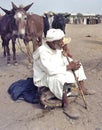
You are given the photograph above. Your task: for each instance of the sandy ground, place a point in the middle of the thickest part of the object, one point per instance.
(86, 46)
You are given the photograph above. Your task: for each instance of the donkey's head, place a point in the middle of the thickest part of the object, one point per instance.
(20, 16)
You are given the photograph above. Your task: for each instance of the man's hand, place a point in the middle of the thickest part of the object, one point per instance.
(66, 51)
(73, 65)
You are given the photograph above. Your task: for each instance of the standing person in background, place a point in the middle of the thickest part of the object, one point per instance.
(46, 23)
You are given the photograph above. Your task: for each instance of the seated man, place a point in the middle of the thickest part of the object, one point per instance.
(51, 69)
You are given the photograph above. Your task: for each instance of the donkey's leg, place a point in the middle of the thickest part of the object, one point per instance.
(37, 42)
(14, 51)
(29, 55)
(4, 51)
(4, 47)
(8, 52)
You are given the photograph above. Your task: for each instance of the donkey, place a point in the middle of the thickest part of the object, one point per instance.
(29, 27)
(52, 20)
(7, 31)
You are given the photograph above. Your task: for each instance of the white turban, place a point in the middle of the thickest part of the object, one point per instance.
(54, 35)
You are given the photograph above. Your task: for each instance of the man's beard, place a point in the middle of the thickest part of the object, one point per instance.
(57, 47)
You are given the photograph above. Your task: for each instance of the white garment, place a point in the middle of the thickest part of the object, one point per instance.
(50, 70)
(50, 20)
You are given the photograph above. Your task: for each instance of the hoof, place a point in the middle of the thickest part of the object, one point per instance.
(16, 63)
(8, 64)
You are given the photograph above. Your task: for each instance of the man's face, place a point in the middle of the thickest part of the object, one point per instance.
(58, 44)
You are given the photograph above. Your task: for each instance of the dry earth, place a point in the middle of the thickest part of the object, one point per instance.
(86, 46)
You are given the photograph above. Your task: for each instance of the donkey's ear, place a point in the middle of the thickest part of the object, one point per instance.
(5, 10)
(27, 7)
(14, 6)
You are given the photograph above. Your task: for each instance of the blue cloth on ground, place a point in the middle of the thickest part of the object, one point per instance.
(24, 89)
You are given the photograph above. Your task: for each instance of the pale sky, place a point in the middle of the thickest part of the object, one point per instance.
(72, 6)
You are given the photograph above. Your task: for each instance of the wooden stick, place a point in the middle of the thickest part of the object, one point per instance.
(77, 85)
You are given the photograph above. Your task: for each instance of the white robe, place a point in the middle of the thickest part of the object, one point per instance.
(50, 70)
